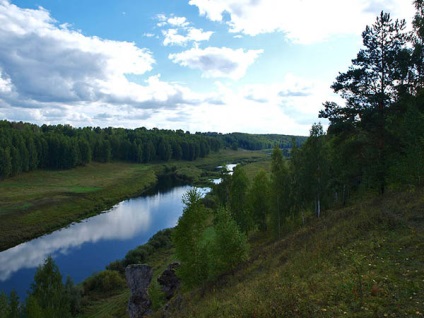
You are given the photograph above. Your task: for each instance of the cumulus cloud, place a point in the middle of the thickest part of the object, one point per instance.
(53, 73)
(217, 62)
(45, 62)
(303, 21)
(179, 32)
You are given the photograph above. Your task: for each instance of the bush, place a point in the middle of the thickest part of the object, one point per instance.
(139, 255)
(161, 239)
(105, 282)
(117, 266)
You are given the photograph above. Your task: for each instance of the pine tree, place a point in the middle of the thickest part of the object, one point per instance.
(374, 82)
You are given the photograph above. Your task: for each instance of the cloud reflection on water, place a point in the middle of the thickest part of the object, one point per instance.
(122, 222)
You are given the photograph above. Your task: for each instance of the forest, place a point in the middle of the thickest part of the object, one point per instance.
(374, 144)
(26, 147)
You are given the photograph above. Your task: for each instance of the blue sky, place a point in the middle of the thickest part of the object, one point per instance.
(256, 66)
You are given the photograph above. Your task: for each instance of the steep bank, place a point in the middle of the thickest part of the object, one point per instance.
(364, 260)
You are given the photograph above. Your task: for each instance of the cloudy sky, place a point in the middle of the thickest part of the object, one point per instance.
(256, 66)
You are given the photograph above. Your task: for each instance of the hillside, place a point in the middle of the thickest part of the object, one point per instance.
(364, 260)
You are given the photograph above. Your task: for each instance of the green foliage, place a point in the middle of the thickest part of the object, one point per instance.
(187, 238)
(48, 296)
(257, 141)
(280, 191)
(259, 200)
(5, 163)
(205, 251)
(364, 260)
(162, 239)
(25, 147)
(238, 200)
(222, 189)
(4, 304)
(73, 294)
(32, 308)
(107, 281)
(9, 306)
(229, 245)
(315, 164)
(48, 291)
(14, 310)
(407, 167)
(371, 87)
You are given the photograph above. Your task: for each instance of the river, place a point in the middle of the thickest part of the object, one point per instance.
(84, 248)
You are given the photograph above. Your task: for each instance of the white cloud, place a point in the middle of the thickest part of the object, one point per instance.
(180, 32)
(217, 62)
(178, 21)
(303, 21)
(46, 62)
(290, 106)
(5, 83)
(50, 73)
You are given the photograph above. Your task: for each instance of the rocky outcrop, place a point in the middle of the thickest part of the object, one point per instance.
(138, 278)
(169, 280)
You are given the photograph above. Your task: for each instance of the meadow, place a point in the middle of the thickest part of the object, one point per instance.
(41, 201)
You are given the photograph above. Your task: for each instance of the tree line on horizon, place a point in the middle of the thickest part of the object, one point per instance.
(26, 147)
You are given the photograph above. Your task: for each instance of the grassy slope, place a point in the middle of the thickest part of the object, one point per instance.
(38, 202)
(365, 260)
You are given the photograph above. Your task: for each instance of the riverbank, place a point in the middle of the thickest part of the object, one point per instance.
(40, 202)
(362, 260)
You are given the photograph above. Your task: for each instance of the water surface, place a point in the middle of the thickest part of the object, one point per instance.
(87, 247)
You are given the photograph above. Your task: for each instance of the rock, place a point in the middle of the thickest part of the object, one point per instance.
(169, 280)
(138, 278)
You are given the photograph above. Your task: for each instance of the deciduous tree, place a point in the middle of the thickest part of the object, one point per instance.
(188, 242)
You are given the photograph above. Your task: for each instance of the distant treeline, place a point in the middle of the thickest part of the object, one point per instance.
(25, 147)
(259, 141)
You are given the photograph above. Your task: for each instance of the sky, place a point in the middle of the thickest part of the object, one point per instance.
(253, 66)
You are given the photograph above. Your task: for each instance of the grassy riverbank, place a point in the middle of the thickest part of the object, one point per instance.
(39, 202)
(364, 260)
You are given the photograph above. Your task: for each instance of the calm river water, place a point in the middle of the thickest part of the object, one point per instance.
(87, 247)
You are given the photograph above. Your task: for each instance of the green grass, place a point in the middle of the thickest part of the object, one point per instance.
(365, 260)
(253, 168)
(35, 203)
(38, 202)
(111, 307)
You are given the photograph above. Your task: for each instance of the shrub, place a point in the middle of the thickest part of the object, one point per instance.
(106, 282)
